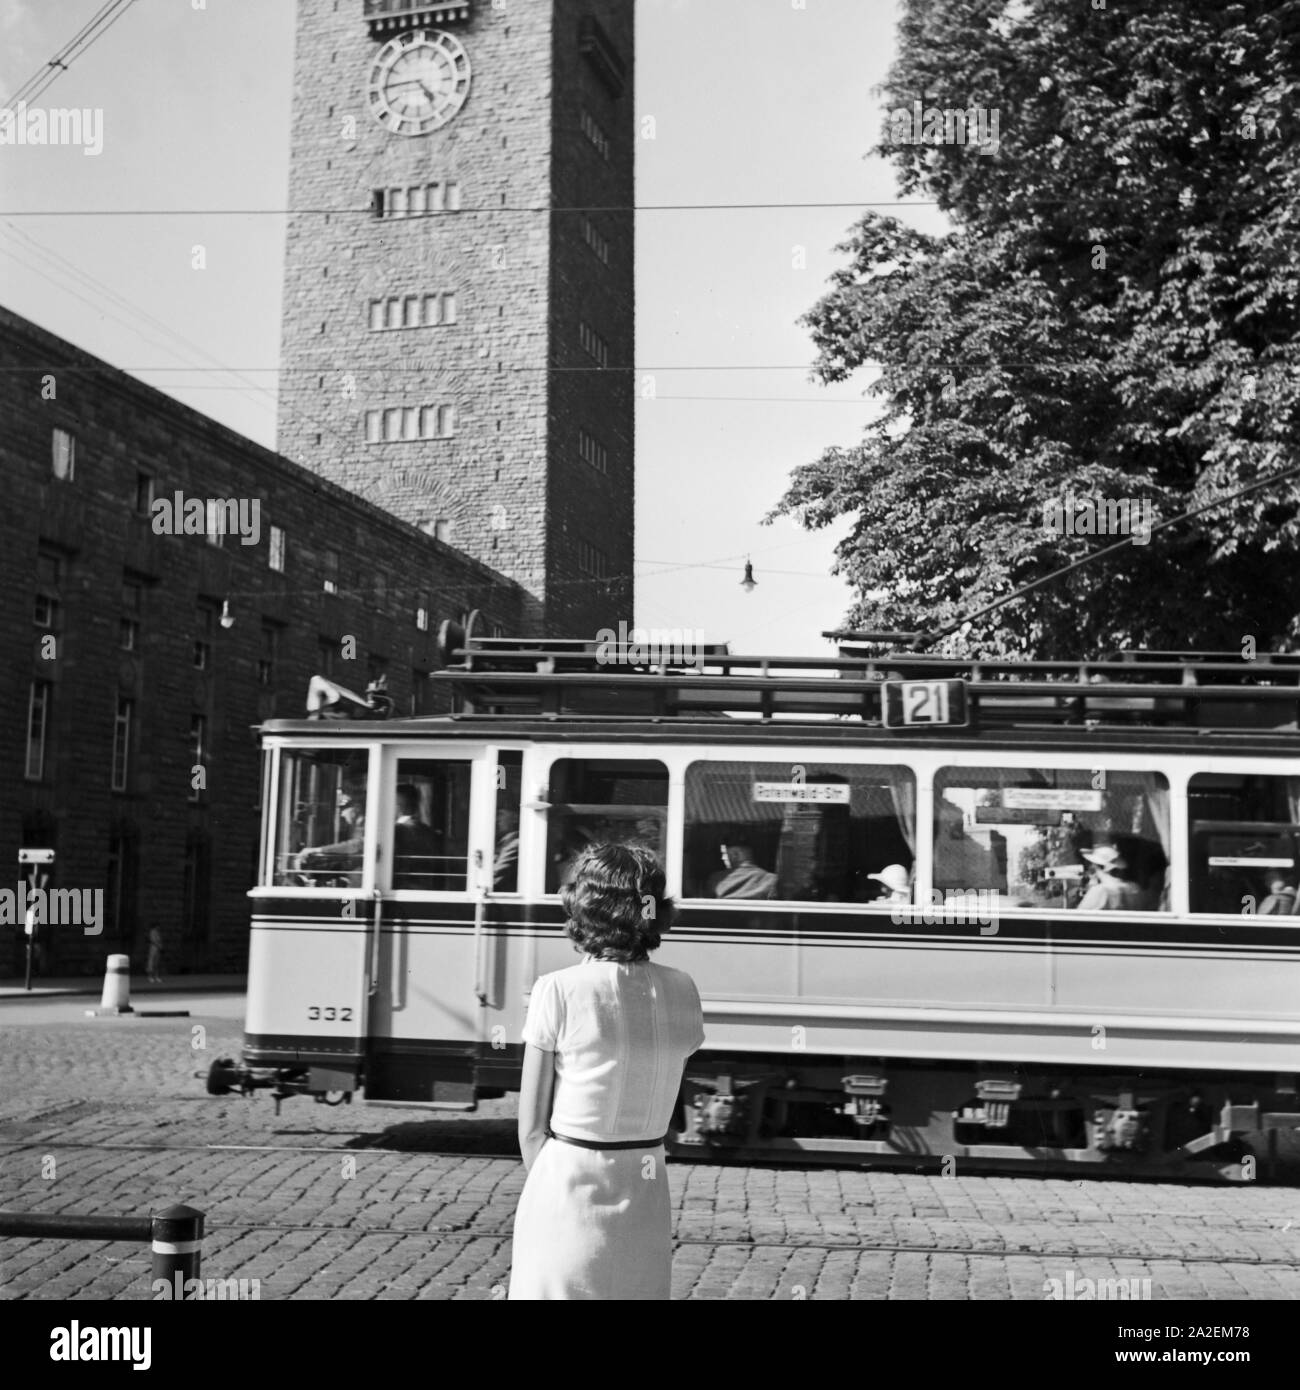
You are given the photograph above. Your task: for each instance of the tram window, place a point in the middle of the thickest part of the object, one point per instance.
(798, 831)
(431, 825)
(320, 835)
(505, 854)
(1048, 838)
(603, 801)
(1245, 843)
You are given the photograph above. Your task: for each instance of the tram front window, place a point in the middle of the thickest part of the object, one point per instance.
(431, 826)
(799, 832)
(320, 832)
(1091, 839)
(1245, 843)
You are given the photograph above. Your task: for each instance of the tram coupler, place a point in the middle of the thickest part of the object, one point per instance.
(226, 1075)
(865, 1106)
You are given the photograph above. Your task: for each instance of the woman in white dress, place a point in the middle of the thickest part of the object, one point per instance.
(605, 1045)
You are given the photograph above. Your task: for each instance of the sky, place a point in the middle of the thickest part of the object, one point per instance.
(759, 102)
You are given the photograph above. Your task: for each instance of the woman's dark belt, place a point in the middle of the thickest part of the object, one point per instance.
(619, 1144)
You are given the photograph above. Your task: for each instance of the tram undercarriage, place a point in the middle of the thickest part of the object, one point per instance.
(965, 1117)
(877, 1113)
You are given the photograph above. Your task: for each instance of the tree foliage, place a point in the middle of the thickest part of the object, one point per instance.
(1113, 315)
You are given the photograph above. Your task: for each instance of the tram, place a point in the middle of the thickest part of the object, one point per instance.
(996, 912)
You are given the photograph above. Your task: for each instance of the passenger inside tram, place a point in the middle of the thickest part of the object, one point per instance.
(1281, 899)
(415, 843)
(505, 855)
(740, 876)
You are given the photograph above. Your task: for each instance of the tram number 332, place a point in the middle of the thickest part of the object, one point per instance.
(329, 1013)
(909, 703)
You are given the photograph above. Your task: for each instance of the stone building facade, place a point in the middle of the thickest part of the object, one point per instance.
(458, 322)
(120, 678)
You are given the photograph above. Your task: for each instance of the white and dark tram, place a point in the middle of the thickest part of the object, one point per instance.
(980, 1008)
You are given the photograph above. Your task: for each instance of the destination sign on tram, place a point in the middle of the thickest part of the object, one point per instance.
(815, 793)
(916, 704)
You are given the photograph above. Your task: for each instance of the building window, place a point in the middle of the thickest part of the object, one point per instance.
(128, 628)
(276, 554)
(38, 722)
(266, 662)
(592, 451)
(422, 612)
(593, 344)
(594, 132)
(122, 742)
(406, 424)
(204, 622)
(419, 691)
(597, 243)
(416, 200)
(215, 527)
(381, 588)
(198, 749)
(196, 890)
(64, 460)
(412, 311)
(325, 650)
(49, 578)
(331, 568)
(144, 488)
(120, 886)
(592, 560)
(376, 667)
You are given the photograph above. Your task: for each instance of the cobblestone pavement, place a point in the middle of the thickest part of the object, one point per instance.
(375, 1202)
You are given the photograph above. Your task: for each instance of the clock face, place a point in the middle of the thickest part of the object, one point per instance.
(419, 81)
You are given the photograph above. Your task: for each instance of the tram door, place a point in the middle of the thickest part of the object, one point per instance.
(429, 951)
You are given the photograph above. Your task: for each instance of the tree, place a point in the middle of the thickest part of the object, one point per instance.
(1114, 315)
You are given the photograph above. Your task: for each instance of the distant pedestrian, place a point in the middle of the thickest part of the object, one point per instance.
(153, 961)
(607, 1041)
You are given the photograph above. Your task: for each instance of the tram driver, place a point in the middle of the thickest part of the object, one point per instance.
(344, 856)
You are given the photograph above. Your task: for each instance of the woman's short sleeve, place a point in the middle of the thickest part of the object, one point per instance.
(542, 1026)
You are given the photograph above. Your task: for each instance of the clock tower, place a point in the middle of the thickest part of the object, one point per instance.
(458, 326)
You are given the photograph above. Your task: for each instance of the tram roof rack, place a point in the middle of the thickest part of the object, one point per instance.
(576, 678)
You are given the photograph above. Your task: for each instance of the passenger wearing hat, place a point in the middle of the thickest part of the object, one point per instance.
(1109, 892)
(897, 881)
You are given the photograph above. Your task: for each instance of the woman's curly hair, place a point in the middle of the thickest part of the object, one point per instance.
(616, 903)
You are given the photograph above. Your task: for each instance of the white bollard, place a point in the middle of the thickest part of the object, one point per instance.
(117, 986)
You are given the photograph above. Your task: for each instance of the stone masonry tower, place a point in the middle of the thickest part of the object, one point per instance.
(459, 301)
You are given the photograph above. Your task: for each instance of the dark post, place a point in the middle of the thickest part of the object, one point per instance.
(177, 1238)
